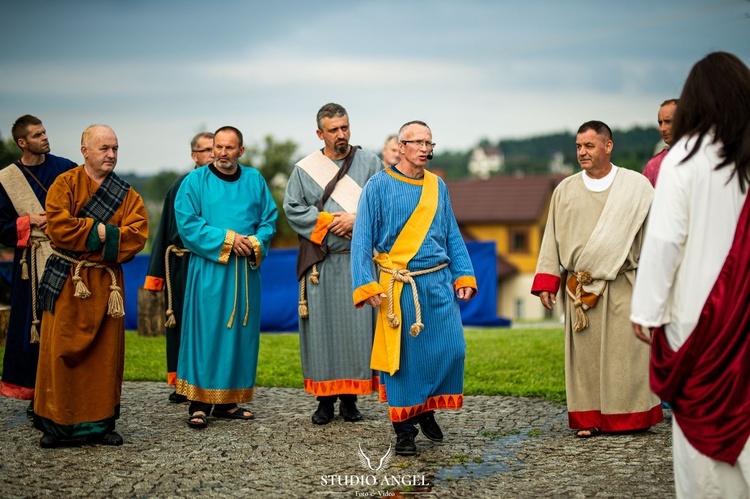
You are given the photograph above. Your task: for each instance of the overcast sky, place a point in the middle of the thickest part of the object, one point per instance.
(159, 71)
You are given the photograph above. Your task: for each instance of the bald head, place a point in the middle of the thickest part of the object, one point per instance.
(99, 148)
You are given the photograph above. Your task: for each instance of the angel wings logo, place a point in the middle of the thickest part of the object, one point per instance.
(367, 462)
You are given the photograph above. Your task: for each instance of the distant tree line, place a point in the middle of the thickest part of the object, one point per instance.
(531, 156)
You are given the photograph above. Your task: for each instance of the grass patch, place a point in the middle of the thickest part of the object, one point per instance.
(512, 362)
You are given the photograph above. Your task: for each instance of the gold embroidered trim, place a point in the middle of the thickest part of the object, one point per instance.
(213, 396)
(226, 249)
(258, 250)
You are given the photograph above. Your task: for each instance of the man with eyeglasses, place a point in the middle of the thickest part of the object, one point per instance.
(405, 215)
(320, 204)
(167, 251)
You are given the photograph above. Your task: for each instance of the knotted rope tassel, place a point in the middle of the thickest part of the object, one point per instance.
(406, 276)
(582, 322)
(171, 321)
(315, 275)
(302, 308)
(24, 265)
(115, 304)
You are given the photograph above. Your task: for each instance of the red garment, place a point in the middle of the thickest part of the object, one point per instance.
(707, 381)
(651, 171)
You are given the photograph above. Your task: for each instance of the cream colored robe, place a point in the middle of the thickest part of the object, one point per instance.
(606, 366)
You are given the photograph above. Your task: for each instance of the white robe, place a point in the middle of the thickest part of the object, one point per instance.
(691, 228)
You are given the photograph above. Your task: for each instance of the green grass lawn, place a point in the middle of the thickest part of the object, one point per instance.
(514, 362)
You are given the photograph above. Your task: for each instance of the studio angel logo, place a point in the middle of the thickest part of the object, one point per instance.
(367, 463)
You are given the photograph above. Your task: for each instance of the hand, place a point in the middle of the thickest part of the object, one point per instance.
(342, 224)
(375, 301)
(101, 230)
(640, 333)
(464, 294)
(242, 246)
(548, 299)
(39, 220)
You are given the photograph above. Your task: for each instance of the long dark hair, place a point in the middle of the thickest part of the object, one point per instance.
(716, 98)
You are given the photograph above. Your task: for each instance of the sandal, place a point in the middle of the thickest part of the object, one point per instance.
(592, 432)
(235, 413)
(201, 422)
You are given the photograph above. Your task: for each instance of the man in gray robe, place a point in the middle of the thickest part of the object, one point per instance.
(320, 204)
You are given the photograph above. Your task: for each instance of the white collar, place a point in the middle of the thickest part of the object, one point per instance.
(600, 184)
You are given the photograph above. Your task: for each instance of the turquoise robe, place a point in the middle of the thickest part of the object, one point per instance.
(221, 317)
(431, 369)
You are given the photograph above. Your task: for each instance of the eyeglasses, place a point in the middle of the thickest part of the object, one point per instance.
(420, 143)
(207, 149)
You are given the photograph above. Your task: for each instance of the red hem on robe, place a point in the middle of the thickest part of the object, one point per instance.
(172, 378)
(630, 421)
(16, 391)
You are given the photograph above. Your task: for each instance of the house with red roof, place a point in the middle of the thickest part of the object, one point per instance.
(512, 211)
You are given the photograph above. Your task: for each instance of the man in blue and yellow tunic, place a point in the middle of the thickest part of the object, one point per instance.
(405, 215)
(226, 217)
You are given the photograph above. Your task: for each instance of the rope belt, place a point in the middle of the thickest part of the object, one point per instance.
(314, 279)
(583, 278)
(582, 322)
(115, 305)
(171, 321)
(407, 276)
(245, 265)
(34, 244)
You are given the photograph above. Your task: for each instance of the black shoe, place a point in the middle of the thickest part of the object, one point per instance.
(111, 438)
(49, 441)
(30, 411)
(324, 413)
(405, 445)
(176, 398)
(348, 410)
(430, 428)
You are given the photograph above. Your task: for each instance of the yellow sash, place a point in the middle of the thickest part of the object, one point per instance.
(386, 347)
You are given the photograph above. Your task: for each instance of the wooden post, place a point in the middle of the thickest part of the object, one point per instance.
(151, 316)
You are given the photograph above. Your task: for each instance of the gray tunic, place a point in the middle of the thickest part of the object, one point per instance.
(335, 338)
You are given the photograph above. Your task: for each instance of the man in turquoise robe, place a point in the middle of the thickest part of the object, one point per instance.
(226, 217)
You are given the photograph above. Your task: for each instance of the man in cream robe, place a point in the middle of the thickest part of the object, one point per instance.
(591, 245)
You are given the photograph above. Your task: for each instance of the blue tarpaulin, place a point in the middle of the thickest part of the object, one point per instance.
(280, 293)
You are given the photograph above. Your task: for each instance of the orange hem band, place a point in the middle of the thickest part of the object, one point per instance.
(172, 378)
(467, 281)
(153, 283)
(398, 414)
(341, 387)
(362, 293)
(321, 227)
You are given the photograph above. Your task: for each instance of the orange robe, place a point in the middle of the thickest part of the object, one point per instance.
(81, 357)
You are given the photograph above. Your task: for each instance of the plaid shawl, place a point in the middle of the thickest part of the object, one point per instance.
(102, 205)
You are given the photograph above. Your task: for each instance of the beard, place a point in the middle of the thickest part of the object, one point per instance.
(341, 148)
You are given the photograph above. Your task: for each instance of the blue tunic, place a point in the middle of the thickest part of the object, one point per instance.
(218, 347)
(432, 364)
(19, 365)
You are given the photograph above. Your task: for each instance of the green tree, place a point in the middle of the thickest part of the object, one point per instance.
(274, 160)
(9, 152)
(158, 185)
